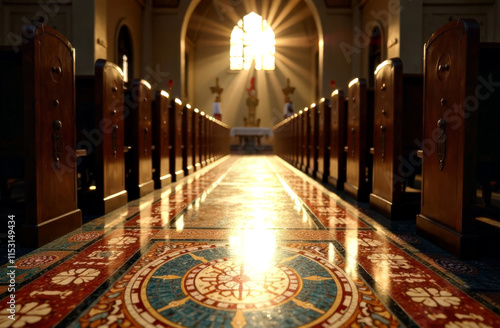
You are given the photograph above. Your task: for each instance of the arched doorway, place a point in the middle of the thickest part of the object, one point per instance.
(375, 54)
(125, 56)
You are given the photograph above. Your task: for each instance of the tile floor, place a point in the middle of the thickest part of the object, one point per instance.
(248, 241)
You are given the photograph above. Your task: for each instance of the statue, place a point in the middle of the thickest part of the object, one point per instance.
(216, 108)
(288, 108)
(252, 103)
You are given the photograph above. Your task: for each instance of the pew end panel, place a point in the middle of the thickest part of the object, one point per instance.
(324, 127)
(196, 137)
(100, 132)
(138, 161)
(359, 140)
(175, 120)
(338, 128)
(306, 139)
(397, 124)
(203, 139)
(49, 137)
(448, 206)
(187, 141)
(312, 166)
(161, 136)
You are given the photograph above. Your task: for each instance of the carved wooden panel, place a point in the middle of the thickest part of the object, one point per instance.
(176, 109)
(324, 139)
(451, 72)
(161, 140)
(338, 136)
(306, 139)
(50, 138)
(196, 132)
(110, 114)
(388, 107)
(313, 140)
(359, 140)
(139, 136)
(187, 140)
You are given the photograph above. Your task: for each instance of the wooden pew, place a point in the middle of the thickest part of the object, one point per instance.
(196, 137)
(203, 139)
(312, 163)
(100, 131)
(338, 128)
(359, 140)
(176, 169)
(306, 139)
(161, 139)
(289, 137)
(187, 140)
(323, 148)
(397, 124)
(460, 135)
(138, 136)
(38, 135)
(296, 146)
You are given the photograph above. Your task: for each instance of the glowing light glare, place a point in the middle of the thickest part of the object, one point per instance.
(352, 252)
(188, 106)
(178, 101)
(93, 187)
(322, 100)
(313, 105)
(196, 110)
(252, 40)
(336, 92)
(331, 253)
(300, 112)
(146, 83)
(258, 247)
(164, 93)
(353, 82)
(202, 113)
(381, 65)
(179, 223)
(125, 68)
(306, 109)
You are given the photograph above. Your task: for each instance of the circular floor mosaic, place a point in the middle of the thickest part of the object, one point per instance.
(201, 285)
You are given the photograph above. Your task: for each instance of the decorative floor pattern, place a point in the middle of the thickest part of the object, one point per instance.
(247, 242)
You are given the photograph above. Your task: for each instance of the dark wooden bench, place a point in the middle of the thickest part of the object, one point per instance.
(305, 138)
(176, 110)
(203, 139)
(161, 140)
(338, 127)
(397, 125)
(323, 146)
(296, 146)
(359, 140)
(100, 131)
(196, 137)
(187, 139)
(38, 136)
(461, 142)
(312, 163)
(138, 136)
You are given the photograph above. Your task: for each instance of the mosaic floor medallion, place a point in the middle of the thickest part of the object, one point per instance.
(197, 285)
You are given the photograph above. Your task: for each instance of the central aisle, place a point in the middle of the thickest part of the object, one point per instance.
(247, 242)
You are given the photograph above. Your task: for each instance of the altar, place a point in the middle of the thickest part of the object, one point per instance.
(250, 137)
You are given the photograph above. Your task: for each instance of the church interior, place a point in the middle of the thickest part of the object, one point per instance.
(250, 163)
